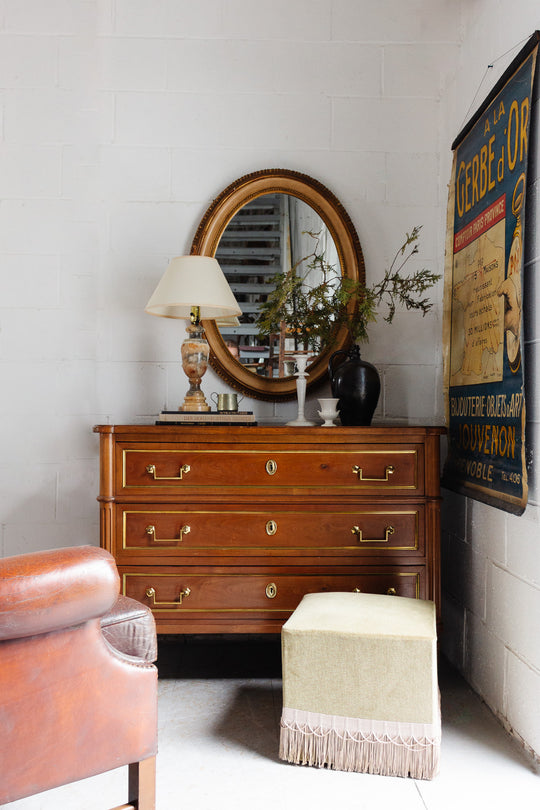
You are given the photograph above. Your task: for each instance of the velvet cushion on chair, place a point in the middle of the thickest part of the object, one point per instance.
(72, 703)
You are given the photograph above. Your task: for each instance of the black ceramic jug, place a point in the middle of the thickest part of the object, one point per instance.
(356, 384)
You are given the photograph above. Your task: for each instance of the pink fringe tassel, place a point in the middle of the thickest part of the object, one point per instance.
(399, 756)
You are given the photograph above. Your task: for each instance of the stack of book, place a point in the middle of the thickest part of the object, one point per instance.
(206, 418)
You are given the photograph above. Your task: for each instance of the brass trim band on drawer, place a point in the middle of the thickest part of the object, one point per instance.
(389, 530)
(151, 530)
(375, 483)
(163, 607)
(271, 529)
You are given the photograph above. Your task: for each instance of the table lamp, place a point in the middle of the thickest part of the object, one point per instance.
(194, 288)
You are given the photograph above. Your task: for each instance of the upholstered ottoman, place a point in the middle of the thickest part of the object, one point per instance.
(360, 690)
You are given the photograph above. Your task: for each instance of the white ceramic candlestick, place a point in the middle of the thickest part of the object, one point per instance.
(301, 361)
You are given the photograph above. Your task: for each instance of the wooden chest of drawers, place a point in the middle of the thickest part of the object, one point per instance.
(224, 529)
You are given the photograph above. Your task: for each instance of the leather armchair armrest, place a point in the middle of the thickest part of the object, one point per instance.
(50, 590)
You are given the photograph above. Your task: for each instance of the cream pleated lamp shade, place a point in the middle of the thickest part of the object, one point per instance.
(193, 281)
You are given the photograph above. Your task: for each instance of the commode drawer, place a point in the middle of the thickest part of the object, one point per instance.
(392, 469)
(162, 531)
(199, 591)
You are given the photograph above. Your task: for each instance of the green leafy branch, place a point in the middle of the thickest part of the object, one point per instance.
(312, 314)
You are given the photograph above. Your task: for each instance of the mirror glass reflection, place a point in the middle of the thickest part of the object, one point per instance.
(268, 235)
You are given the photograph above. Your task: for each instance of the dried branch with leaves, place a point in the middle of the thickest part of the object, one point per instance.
(313, 313)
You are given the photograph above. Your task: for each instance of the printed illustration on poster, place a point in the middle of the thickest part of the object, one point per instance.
(484, 385)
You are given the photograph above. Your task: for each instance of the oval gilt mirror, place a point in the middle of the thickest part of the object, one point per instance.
(261, 225)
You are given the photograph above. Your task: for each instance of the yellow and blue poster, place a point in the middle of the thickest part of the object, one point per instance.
(484, 379)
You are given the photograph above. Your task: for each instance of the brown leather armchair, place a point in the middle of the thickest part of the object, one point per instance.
(78, 690)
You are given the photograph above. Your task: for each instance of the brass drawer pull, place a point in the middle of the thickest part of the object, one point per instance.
(271, 590)
(151, 594)
(151, 530)
(391, 592)
(271, 528)
(271, 466)
(184, 469)
(389, 469)
(357, 590)
(361, 539)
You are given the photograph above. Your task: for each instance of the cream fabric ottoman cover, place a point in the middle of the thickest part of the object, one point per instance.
(360, 689)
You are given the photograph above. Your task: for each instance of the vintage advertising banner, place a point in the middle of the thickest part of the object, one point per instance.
(483, 295)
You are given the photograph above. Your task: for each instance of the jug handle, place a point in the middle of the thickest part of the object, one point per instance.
(215, 401)
(331, 361)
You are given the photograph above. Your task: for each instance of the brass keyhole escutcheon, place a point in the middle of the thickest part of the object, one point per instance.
(271, 528)
(271, 466)
(271, 590)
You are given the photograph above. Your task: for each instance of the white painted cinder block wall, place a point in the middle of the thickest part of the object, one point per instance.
(491, 560)
(120, 121)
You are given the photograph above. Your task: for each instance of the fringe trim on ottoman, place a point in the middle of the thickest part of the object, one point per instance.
(366, 746)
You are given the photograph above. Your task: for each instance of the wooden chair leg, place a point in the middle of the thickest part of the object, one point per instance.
(142, 784)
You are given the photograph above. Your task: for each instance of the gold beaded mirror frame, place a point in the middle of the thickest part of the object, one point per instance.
(237, 230)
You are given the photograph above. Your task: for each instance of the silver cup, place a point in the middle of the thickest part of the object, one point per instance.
(227, 403)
